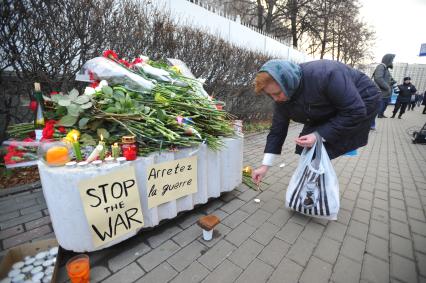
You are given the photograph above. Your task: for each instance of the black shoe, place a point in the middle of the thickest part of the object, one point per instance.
(393, 116)
(383, 116)
(399, 117)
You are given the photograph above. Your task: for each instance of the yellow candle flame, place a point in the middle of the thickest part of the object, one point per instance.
(115, 144)
(102, 137)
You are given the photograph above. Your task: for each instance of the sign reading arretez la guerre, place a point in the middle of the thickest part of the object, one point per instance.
(112, 205)
(171, 180)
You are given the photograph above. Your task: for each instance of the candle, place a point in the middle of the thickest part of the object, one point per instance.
(115, 150)
(129, 147)
(71, 164)
(95, 153)
(97, 163)
(102, 152)
(109, 159)
(57, 155)
(76, 147)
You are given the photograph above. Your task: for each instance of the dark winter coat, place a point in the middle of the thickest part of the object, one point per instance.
(424, 98)
(405, 92)
(382, 76)
(331, 98)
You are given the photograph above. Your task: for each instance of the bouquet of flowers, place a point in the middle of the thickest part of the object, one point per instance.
(20, 153)
(147, 99)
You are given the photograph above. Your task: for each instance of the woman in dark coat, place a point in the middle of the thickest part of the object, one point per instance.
(328, 97)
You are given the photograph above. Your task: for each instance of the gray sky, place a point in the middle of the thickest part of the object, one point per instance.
(400, 27)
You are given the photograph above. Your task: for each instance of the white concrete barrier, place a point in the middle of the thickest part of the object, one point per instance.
(218, 172)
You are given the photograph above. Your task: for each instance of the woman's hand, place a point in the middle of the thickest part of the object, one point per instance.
(258, 174)
(306, 141)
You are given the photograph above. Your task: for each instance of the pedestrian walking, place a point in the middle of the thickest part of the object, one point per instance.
(424, 102)
(412, 102)
(419, 99)
(406, 90)
(384, 81)
(331, 99)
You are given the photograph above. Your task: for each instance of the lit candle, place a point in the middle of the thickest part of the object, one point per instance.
(95, 153)
(102, 153)
(76, 147)
(115, 150)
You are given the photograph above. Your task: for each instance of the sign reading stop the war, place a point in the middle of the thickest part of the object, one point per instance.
(112, 205)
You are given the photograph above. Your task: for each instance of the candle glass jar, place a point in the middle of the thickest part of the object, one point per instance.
(55, 153)
(129, 147)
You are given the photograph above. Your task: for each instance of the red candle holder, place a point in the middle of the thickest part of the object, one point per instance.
(129, 147)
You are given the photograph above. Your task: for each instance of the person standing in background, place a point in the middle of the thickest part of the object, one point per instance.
(384, 81)
(406, 90)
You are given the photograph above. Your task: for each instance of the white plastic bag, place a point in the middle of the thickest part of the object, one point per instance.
(314, 189)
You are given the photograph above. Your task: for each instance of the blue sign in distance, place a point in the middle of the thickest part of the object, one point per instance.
(423, 49)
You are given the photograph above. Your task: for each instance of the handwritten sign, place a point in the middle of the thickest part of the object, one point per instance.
(112, 205)
(171, 180)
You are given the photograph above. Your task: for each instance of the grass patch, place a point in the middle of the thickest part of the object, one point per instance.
(256, 126)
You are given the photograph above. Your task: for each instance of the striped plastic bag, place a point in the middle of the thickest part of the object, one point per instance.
(314, 189)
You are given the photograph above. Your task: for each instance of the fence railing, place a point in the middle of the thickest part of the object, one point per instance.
(230, 29)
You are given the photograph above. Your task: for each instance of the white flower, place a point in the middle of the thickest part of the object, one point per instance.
(201, 80)
(101, 84)
(144, 58)
(89, 91)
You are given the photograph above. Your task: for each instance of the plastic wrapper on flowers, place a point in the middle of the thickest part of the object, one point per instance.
(101, 68)
(20, 153)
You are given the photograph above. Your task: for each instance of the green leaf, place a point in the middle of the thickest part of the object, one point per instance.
(73, 94)
(111, 109)
(56, 98)
(161, 115)
(86, 105)
(74, 110)
(46, 98)
(82, 124)
(64, 101)
(95, 124)
(68, 121)
(86, 140)
(82, 99)
(118, 94)
(103, 132)
(107, 90)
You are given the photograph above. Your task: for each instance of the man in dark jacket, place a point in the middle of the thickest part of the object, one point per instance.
(384, 81)
(404, 97)
(328, 97)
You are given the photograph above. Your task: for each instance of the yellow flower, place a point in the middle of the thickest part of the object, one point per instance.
(70, 135)
(247, 170)
(176, 69)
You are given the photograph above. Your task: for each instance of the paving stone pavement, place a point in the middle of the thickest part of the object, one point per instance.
(380, 234)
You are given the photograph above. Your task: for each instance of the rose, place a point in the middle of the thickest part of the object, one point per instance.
(110, 54)
(62, 130)
(33, 105)
(125, 63)
(70, 135)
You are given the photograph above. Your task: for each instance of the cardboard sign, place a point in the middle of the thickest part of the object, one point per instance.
(112, 205)
(171, 180)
